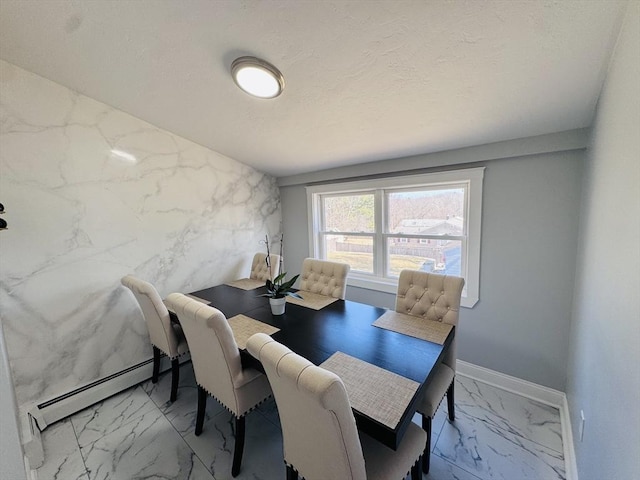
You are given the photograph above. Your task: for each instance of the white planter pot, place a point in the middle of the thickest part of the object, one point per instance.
(277, 305)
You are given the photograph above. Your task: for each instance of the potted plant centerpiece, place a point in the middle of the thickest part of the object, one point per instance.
(278, 290)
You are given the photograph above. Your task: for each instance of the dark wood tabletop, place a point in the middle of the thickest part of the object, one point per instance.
(343, 326)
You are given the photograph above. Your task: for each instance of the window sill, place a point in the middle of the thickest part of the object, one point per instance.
(391, 286)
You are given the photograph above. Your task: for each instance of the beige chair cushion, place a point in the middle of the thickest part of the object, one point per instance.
(442, 378)
(260, 270)
(164, 335)
(324, 278)
(319, 431)
(216, 358)
(437, 298)
(433, 297)
(383, 463)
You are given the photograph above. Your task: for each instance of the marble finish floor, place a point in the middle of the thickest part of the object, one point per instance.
(139, 434)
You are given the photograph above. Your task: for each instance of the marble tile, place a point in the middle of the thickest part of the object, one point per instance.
(479, 447)
(262, 459)
(513, 413)
(440, 469)
(182, 412)
(109, 415)
(127, 437)
(269, 409)
(150, 448)
(437, 422)
(160, 392)
(62, 458)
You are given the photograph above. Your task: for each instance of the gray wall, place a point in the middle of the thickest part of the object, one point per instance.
(529, 233)
(603, 373)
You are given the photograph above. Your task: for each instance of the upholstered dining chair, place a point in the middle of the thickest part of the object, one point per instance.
(437, 298)
(165, 336)
(217, 367)
(320, 437)
(260, 269)
(324, 277)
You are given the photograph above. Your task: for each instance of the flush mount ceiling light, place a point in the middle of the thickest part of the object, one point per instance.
(257, 77)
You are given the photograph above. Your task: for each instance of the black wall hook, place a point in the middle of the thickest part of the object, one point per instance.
(3, 222)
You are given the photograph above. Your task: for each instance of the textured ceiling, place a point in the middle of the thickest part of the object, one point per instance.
(364, 80)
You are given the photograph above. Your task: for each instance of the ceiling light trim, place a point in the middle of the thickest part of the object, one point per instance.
(258, 67)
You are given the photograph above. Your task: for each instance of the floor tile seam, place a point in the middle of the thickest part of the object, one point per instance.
(165, 406)
(491, 412)
(511, 391)
(459, 466)
(493, 425)
(84, 462)
(193, 436)
(188, 447)
(188, 432)
(121, 425)
(160, 376)
(433, 443)
(182, 437)
(512, 394)
(132, 389)
(157, 383)
(266, 417)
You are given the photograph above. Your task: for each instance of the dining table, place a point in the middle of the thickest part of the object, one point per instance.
(345, 328)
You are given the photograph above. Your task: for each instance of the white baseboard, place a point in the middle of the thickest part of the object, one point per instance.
(32, 473)
(31, 440)
(570, 465)
(540, 393)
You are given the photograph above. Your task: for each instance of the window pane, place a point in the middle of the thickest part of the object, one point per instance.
(437, 256)
(356, 251)
(426, 212)
(349, 213)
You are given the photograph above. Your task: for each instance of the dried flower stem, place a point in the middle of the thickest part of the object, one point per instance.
(281, 256)
(268, 258)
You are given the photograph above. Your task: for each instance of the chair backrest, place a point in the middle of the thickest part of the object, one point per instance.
(214, 352)
(324, 277)
(155, 313)
(318, 428)
(431, 296)
(260, 269)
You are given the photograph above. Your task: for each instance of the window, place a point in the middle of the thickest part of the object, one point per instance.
(379, 227)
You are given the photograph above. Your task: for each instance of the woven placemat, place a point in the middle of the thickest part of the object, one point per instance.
(378, 393)
(243, 327)
(428, 330)
(246, 283)
(311, 300)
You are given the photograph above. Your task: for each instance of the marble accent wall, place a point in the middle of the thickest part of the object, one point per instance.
(92, 194)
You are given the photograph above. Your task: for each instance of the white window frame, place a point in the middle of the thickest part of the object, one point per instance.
(471, 177)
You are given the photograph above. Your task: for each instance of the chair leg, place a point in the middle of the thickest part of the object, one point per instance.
(156, 364)
(291, 473)
(450, 402)
(175, 378)
(416, 470)
(202, 405)
(239, 447)
(426, 426)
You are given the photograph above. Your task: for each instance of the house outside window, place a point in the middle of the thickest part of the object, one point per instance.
(379, 227)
